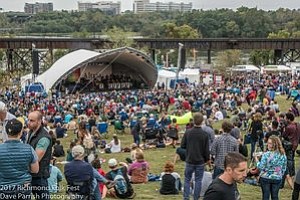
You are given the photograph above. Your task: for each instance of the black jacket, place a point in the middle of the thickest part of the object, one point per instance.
(196, 143)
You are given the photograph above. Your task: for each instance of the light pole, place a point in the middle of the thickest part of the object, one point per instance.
(178, 60)
(167, 57)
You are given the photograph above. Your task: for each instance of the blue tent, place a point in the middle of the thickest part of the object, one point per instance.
(35, 87)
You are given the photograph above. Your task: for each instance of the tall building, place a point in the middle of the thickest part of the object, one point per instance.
(140, 6)
(106, 6)
(33, 8)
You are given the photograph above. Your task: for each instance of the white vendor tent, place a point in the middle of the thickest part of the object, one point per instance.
(244, 68)
(26, 80)
(275, 68)
(193, 75)
(165, 76)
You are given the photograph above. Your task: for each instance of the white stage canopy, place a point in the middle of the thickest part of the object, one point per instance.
(123, 60)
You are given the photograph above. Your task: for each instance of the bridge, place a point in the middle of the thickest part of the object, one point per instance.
(53, 43)
(19, 48)
(284, 49)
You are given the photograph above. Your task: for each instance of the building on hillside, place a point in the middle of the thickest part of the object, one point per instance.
(33, 8)
(109, 7)
(140, 6)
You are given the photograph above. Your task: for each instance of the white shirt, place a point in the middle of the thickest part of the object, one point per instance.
(219, 115)
(3, 134)
(115, 148)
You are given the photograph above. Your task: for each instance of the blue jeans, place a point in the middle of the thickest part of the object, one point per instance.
(189, 170)
(97, 194)
(136, 139)
(217, 171)
(269, 187)
(40, 188)
(178, 184)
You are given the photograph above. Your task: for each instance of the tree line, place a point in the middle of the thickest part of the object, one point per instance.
(243, 22)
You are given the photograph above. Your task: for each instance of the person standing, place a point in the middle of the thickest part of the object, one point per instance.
(222, 145)
(272, 166)
(18, 160)
(296, 190)
(256, 132)
(4, 117)
(196, 143)
(40, 140)
(291, 136)
(224, 187)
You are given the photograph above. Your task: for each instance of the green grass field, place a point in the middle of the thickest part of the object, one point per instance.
(157, 158)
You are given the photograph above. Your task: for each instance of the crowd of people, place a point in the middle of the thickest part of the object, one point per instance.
(33, 125)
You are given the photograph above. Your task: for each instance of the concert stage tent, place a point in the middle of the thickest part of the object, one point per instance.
(91, 64)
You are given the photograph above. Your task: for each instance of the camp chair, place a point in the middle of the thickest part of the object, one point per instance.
(102, 128)
(119, 128)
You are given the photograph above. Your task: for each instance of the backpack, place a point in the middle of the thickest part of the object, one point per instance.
(121, 185)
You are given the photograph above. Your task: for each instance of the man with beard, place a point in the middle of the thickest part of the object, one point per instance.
(41, 142)
(224, 187)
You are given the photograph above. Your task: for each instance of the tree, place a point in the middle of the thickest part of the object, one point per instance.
(280, 34)
(260, 58)
(119, 37)
(170, 30)
(227, 59)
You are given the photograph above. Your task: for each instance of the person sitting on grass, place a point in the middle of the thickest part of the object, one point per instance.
(55, 176)
(139, 169)
(134, 150)
(58, 149)
(123, 188)
(96, 163)
(170, 180)
(114, 146)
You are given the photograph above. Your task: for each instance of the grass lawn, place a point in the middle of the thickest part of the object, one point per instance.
(157, 158)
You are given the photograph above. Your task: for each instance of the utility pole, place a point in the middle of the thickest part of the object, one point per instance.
(178, 60)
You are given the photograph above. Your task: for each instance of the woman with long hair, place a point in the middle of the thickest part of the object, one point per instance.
(256, 132)
(115, 145)
(272, 167)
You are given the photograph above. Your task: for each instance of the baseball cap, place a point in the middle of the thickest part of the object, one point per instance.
(112, 162)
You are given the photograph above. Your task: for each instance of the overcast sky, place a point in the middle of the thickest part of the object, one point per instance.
(18, 5)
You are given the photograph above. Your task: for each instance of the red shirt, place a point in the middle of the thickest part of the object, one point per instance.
(101, 185)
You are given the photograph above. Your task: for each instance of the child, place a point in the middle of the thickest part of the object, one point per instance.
(170, 180)
(173, 132)
(96, 163)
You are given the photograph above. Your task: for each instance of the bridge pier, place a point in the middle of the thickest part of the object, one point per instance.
(208, 56)
(152, 51)
(278, 56)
